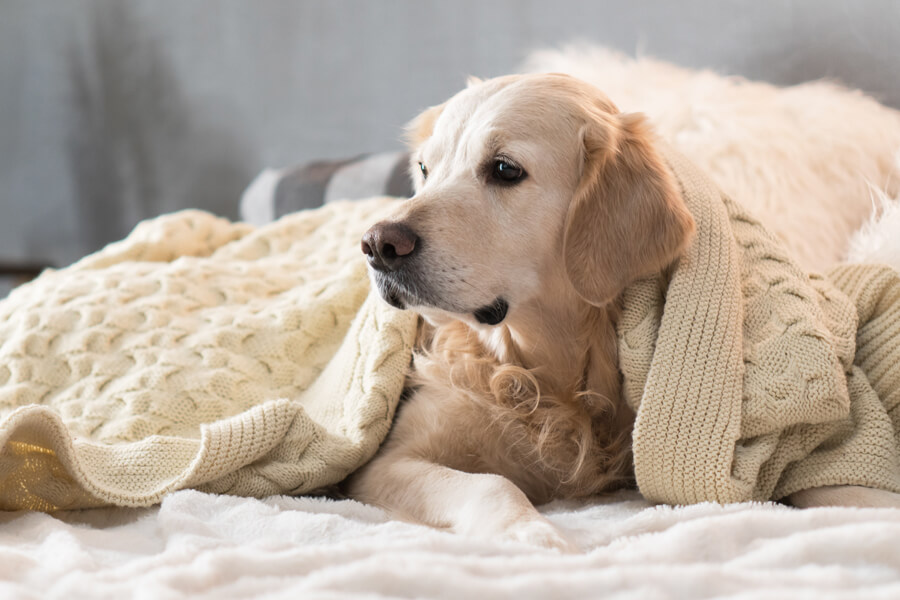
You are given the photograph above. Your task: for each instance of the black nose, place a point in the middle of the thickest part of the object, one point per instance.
(388, 244)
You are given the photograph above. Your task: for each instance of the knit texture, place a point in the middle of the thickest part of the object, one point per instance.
(751, 379)
(199, 353)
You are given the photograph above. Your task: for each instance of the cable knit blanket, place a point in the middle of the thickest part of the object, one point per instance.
(199, 353)
(752, 380)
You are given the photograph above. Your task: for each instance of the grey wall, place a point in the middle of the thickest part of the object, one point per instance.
(113, 111)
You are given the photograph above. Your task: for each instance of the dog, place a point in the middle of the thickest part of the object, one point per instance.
(537, 202)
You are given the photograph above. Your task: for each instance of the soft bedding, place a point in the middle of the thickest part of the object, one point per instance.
(198, 545)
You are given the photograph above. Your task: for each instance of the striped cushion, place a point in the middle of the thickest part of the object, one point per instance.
(277, 192)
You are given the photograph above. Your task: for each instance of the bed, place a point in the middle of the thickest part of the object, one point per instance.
(197, 545)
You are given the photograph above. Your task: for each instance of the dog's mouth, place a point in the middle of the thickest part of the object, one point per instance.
(394, 299)
(493, 313)
(392, 293)
(398, 291)
(402, 293)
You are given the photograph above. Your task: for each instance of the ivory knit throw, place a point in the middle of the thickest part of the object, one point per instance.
(751, 379)
(199, 353)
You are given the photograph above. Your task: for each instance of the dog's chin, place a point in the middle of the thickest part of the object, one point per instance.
(489, 314)
(389, 291)
(401, 298)
(395, 299)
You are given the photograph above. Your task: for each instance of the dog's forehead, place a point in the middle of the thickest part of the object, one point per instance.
(465, 107)
(509, 104)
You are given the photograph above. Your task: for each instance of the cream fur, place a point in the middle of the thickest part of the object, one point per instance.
(878, 240)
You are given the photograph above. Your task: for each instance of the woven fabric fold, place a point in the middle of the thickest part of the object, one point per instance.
(199, 353)
(752, 379)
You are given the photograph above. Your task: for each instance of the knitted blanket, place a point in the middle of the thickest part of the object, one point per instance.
(199, 353)
(751, 379)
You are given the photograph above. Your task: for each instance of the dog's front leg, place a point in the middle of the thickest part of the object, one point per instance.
(474, 504)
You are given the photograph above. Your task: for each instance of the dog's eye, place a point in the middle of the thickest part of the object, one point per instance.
(506, 172)
(424, 170)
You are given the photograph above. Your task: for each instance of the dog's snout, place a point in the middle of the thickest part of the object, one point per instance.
(388, 244)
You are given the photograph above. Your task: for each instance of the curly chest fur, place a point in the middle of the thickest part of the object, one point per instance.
(551, 440)
(550, 455)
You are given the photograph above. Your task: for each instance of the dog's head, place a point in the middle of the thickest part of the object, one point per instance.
(517, 179)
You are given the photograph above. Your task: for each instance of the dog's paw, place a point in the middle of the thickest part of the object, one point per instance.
(539, 532)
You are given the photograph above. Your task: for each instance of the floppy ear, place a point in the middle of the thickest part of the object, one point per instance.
(420, 129)
(627, 219)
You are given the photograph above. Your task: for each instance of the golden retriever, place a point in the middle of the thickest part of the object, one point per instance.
(537, 202)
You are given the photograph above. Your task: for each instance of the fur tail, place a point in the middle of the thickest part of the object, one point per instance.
(878, 240)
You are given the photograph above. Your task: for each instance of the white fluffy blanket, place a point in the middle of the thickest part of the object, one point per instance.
(198, 545)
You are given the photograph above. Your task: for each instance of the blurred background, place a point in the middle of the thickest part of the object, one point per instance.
(112, 111)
